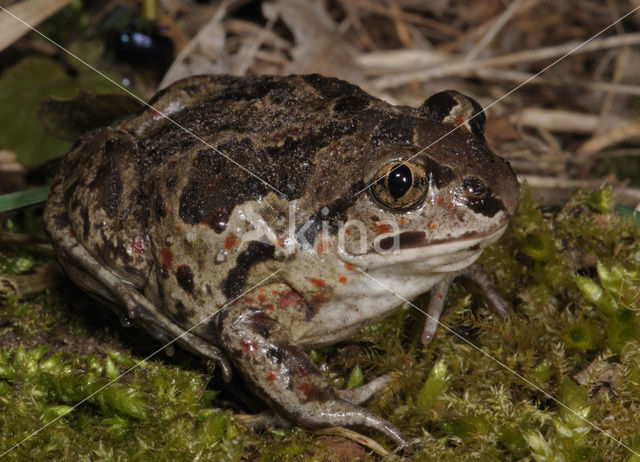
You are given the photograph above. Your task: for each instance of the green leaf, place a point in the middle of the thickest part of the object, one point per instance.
(22, 88)
(436, 384)
(355, 378)
(21, 199)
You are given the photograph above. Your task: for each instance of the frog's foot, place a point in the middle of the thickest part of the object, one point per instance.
(280, 371)
(478, 276)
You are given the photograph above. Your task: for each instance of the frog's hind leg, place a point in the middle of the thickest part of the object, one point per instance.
(86, 271)
(256, 335)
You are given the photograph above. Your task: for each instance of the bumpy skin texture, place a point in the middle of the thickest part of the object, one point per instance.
(156, 218)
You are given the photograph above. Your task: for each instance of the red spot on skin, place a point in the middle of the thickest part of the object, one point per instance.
(433, 226)
(347, 231)
(319, 298)
(54, 186)
(270, 307)
(277, 137)
(342, 279)
(319, 283)
(229, 242)
(167, 258)
(155, 113)
(262, 298)
(307, 390)
(138, 247)
(349, 266)
(381, 228)
(459, 120)
(323, 246)
(270, 377)
(440, 201)
(275, 292)
(402, 220)
(289, 299)
(250, 300)
(249, 346)
(280, 240)
(122, 127)
(263, 102)
(338, 394)
(178, 228)
(302, 372)
(165, 210)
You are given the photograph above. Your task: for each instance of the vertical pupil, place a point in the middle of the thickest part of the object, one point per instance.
(399, 181)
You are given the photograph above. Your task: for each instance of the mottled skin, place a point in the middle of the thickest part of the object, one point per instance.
(168, 231)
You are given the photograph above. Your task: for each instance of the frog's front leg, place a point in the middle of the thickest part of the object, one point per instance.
(438, 293)
(256, 331)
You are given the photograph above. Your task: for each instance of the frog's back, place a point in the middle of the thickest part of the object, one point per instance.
(229, 139)
(206, 144)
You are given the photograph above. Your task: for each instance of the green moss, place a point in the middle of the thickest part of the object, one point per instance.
(571, 276)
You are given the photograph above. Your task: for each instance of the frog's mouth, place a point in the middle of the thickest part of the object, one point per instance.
(416, 253)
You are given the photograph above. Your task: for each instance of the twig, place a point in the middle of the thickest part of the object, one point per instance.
(497, 26)
(32, 12)
(460, 65)
(556, 190)
(249, 55)
(432, 24)
(401, 25)
(519, 77)
(215, 20)
(29, 285)
(600, 142)
(559, 121)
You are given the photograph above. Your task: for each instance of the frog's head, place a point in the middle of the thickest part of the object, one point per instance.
(434, 200)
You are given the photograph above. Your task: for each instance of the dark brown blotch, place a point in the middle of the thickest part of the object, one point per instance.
(438, 106)
(480, 198)
(255, 252)
(406, 240)
(262, 324)
(181, 314)
(184, 276)
(351, 104)
(440, 175)
(330, 87)
(397, 130)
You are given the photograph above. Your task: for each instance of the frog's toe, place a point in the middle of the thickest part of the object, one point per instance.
(435, 308)
(476, 274)
(361, 394)
(340, 413)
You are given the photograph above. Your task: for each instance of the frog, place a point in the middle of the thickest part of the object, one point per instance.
(251, 219)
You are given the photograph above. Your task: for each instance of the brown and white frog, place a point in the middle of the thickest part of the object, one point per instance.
(254, 218)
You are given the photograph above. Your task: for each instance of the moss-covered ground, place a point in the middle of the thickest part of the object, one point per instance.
(491, 392)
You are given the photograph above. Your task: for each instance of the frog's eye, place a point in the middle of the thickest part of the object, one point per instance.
(400, 186)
